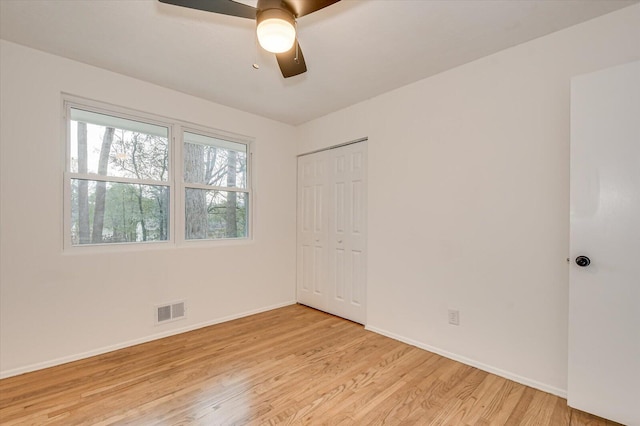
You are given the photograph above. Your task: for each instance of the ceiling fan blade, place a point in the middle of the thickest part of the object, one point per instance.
(292, 62)
(224, 7)
(305, 7)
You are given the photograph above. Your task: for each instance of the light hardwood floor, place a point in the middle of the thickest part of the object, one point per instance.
(293, 365)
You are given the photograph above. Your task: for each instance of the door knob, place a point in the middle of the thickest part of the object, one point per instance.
(583, 261)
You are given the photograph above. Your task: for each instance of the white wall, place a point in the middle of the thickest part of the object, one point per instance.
(478, 158)
(57, 306)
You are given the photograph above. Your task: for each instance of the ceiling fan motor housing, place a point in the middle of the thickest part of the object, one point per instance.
(264, 5)
(275, 13)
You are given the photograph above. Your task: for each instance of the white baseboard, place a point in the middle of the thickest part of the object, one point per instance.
(111, 348)
(488, 368)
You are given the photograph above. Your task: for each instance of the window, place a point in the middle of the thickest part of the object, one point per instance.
(119, 176)
(216, 195)
(122, 180)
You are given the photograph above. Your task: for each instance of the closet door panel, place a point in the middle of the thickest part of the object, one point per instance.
(339, 233)
(312, 231)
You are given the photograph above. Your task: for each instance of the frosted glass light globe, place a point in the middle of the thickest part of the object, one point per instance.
(276, 32)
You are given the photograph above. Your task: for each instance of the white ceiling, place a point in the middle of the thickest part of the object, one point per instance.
(355, 49)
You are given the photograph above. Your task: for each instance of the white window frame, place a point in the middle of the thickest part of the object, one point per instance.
(217, 134)
(175, 182)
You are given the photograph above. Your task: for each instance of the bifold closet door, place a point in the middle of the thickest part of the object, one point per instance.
(332, 231)
(312, 249)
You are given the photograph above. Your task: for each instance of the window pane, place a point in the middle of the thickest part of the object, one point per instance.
(215, 214)
(215, 162)
(108, 212)
(112, 146)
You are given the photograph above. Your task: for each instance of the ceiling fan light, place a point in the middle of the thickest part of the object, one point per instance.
(276, 30)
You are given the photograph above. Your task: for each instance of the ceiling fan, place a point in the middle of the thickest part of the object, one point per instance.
(276, 24)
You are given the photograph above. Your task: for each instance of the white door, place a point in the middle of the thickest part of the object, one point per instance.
(312, 250)
(347, 242)
(604, 296)
(332, 231)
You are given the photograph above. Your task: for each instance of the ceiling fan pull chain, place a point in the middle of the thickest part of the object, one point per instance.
(255, 65)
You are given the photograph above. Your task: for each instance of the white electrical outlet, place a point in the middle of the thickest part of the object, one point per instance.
(454, 317)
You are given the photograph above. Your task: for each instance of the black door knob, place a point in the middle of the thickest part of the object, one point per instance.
(583, 261)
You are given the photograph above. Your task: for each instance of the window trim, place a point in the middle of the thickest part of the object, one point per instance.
(175, 181)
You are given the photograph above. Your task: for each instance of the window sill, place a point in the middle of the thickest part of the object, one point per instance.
(93, 249)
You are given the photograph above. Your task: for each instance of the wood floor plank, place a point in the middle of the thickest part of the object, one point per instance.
(293, 365)
(402, 402)
(579, 418)
(539, 410)
(501, 406)
(561, 415)
(518, 412)
(468, 410)
(351, 380)
(410, 403)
